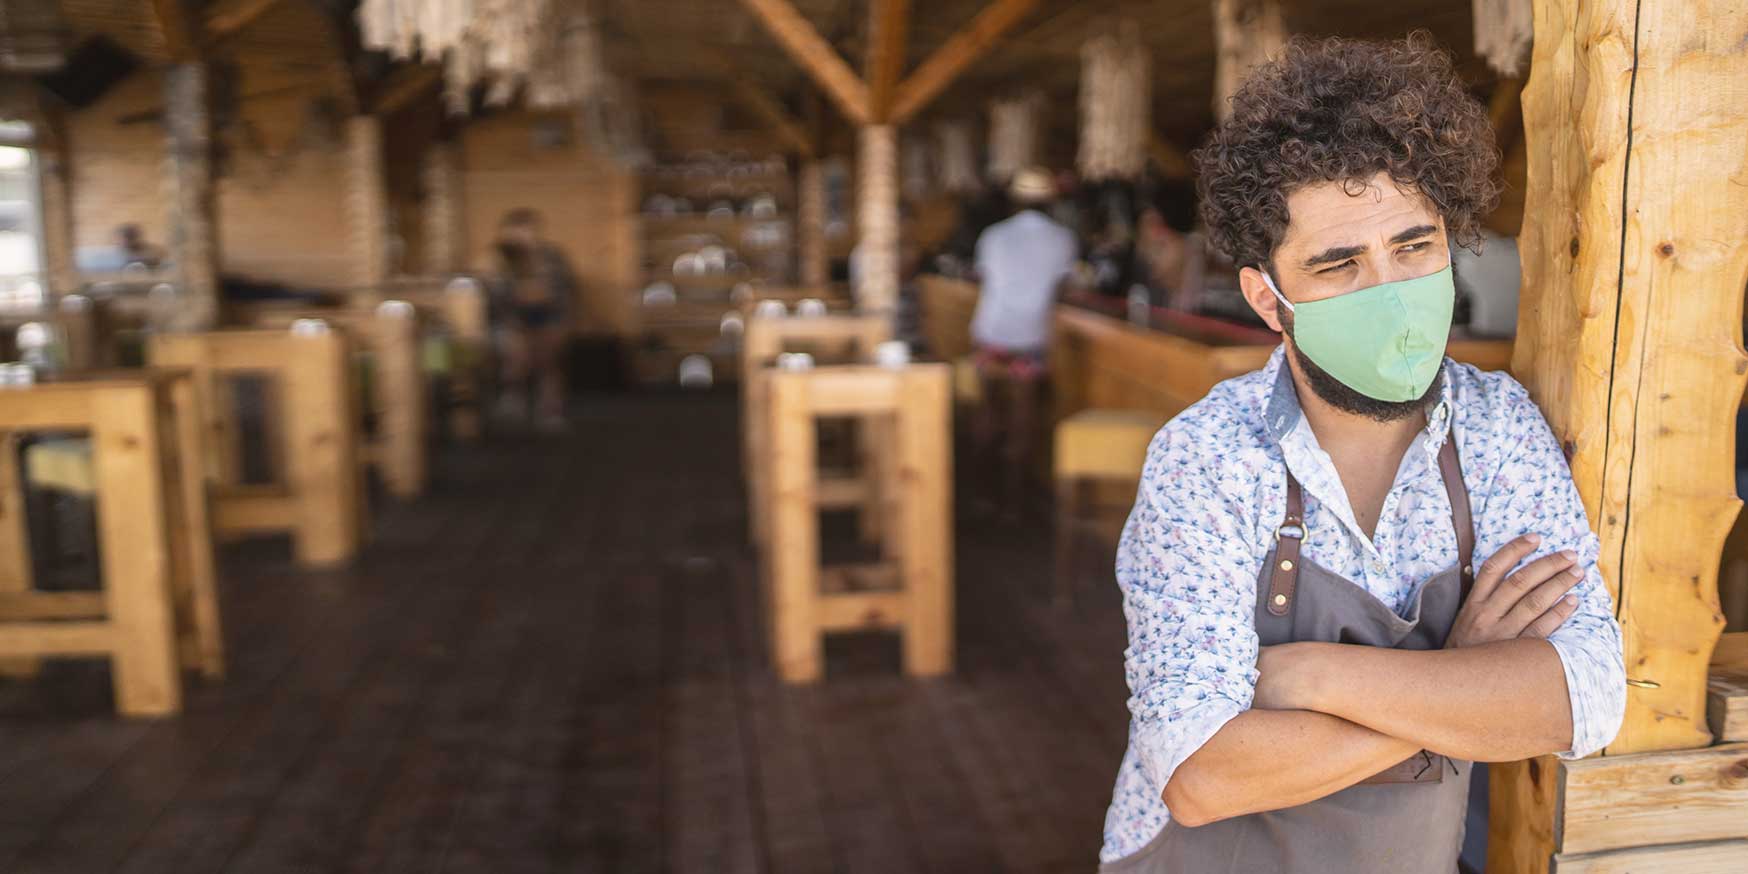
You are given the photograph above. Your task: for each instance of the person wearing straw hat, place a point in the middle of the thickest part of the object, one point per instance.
(1021, 264)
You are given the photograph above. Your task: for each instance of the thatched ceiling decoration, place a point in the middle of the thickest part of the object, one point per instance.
(1116, 93)
(494, 42)
(958, 164)
(1013, 135)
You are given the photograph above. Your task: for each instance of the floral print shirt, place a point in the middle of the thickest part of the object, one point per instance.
(1213, 491)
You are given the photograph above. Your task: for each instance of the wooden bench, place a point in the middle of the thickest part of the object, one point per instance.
(387, 336)
(157, 609)
(320, 499)
(911, 588)
(832, 338)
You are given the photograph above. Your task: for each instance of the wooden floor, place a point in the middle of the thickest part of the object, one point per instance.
(553, 664)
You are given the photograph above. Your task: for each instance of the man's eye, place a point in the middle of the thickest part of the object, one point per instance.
(1416, 247)
(1342, 266)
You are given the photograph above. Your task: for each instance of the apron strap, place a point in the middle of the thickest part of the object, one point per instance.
(1284, 577)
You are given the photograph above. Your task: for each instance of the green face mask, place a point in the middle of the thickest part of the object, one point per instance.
(1385, 342)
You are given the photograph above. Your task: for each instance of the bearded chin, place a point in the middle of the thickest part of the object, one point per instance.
(1339, 395)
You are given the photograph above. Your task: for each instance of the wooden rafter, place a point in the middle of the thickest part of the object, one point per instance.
(814, 54)
(888, 25)
(181, 41)
(230, 16)
(1172, 162)
(766, 106)
(957, 53)
(406, 85)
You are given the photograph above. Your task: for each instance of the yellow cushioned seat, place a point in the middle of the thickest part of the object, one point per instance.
(63, 465)
(967, 383)
(1104, 444)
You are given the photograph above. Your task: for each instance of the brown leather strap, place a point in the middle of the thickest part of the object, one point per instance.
(1288, 538)
(1451, 468)
(1284, 577)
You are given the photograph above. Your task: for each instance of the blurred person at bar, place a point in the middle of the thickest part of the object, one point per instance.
(531, 301)
(1021, 263)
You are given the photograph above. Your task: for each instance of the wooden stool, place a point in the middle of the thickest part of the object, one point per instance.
(913, 594)
(1092, 447)
(321, 499)
(158, 608)
(387, 337)
(847, 338)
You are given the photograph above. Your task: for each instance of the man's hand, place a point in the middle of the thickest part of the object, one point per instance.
(1530, 603)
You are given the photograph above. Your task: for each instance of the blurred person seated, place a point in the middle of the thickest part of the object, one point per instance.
(531, 299)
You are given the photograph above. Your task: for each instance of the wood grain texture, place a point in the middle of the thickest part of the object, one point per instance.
(1715, 857)
(1629, 333)
(1615, 802)
(1727, 688)
(888, 33)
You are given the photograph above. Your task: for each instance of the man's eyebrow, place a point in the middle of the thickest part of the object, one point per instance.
(1330, 256)
(1414, 233)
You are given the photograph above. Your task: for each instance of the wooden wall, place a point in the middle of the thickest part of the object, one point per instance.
(281, 195)
(588, 201)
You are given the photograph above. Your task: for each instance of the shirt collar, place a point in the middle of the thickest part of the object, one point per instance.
(1281, 410)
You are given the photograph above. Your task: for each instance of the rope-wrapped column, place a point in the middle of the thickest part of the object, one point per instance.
(188, 193)
(878, 215)
(443, 229)
(1115, 101)
(810, 226)
(366, 201)
(57, 229)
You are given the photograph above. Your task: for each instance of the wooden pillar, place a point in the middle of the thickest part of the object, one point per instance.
(877, 196)
(366, 202)
(193, 244)
(1246, 33)
(810, 225)
(1629, 339)
(444, 243)
(57, 217)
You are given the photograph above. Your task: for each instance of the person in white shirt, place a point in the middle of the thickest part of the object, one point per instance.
(1021, 262)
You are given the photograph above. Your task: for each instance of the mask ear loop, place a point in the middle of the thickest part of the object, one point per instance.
(1277, 292)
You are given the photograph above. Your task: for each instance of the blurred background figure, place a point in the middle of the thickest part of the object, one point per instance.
(1021, 263)
(534, 288)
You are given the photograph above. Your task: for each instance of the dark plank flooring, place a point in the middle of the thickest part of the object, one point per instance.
(554, 663)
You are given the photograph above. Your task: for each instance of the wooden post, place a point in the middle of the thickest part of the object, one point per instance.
(14, 533)
(794, 554)
(321, 426)
(57, 220)
(877, 196)
(134, 544)
(191, 532)
(925, 518)
(1629, 340)
(399, 399)
(810, 226)
(444, 238)
(1246, 33)
(366, 202)
(188, 195)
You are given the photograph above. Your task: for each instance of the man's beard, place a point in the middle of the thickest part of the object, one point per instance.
(1337, 394)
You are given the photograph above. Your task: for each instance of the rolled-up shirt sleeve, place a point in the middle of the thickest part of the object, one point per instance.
(1187, 571)
(1534, 493)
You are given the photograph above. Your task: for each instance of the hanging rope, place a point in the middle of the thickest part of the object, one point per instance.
(1115, 111)
(492, 41)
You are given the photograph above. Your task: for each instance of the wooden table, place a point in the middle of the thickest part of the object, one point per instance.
(157, 609)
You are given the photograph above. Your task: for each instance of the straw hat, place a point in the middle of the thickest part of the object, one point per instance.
(1032, 185)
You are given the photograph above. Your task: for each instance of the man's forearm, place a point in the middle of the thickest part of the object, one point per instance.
(1271, 759)
(1494, 703)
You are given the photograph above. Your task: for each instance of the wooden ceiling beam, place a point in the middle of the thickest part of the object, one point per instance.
(406, 85)
(888, 27)
(814, 55)
(181, 40)
(230, 16)
(956, 54)
(766, 106)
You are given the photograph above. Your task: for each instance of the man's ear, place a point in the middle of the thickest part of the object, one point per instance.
(1257, 294)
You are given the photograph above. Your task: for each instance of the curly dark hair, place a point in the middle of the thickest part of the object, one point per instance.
(1341, 110)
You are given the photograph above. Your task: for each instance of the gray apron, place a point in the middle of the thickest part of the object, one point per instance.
(1409, 818)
